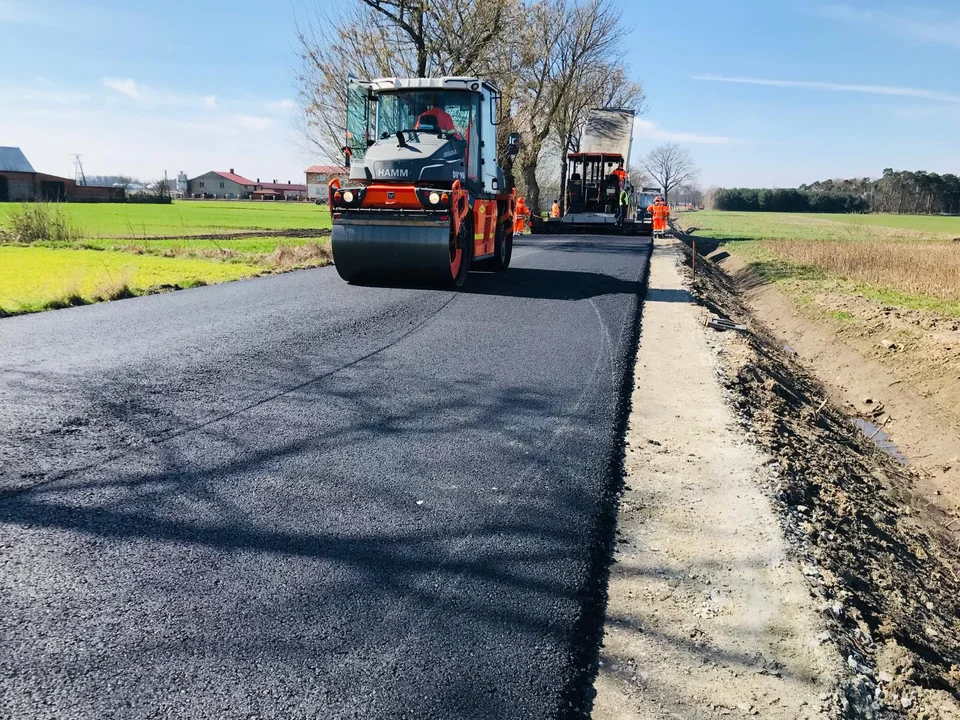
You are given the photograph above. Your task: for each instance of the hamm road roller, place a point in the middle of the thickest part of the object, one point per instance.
(426, 199)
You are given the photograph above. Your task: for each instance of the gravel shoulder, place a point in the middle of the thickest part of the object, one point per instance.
(708, 615)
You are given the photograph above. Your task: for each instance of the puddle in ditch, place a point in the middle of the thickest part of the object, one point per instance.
(881, 439)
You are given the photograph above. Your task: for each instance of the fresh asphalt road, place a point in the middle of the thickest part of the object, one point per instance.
(291, 497)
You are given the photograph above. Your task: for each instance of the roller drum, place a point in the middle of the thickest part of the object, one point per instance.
(412, 252)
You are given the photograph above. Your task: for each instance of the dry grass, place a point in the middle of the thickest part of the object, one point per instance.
(116, 286)
(918, 268)
(286, 257)
(33, 222)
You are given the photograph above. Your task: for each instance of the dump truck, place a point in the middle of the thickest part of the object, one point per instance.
(426, 199)
(596, 175)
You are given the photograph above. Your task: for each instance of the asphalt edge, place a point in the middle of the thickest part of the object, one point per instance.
(576, 698)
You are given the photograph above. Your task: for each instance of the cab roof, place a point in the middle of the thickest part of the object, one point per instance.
(442, 83)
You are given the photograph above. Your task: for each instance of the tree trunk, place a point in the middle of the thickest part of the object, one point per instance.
(507, 165)
(533, 187)
(421, 46)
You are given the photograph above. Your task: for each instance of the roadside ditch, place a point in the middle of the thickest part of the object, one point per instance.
(877, 555)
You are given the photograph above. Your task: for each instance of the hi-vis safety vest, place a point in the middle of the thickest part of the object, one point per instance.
(624, 198)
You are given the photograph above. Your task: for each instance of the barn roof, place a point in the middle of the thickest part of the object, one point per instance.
(327, 169)
(233, 177)
(282, 186)
(12, 159)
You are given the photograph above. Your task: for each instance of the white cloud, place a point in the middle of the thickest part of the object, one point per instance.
(152, 96)
(253, 122)
(280, 106)
(921, 24)
(126, 86)
(49, 121)
(837, 87)
(648, 129)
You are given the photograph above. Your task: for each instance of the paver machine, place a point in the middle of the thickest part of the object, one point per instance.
(426, 199)
(596, 175)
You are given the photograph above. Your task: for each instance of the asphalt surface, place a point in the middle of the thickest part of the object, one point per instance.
(290, 497)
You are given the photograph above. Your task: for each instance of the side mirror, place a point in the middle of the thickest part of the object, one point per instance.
(346, 157)
(513, 144)
(495, 184)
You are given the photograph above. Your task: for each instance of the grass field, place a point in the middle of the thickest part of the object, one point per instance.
(897, 260)
(38, 278)
(97, 220)
(112, 250)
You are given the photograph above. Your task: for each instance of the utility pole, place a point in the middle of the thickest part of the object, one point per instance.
(78, 175)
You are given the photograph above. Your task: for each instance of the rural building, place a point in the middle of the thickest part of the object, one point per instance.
(221, 186)
(279, 191)
(19, 182)
(319, 175)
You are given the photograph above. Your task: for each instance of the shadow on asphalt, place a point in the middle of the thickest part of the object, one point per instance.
(606, 244)
(668, 296)
(549, 284)
(284, 490)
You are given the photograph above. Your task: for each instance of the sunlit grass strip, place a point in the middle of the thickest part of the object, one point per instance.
(95, 220)
(37, 278)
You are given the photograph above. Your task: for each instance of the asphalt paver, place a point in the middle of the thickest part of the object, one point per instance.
(290, 497)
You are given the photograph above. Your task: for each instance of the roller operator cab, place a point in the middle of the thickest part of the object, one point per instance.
(426, 200)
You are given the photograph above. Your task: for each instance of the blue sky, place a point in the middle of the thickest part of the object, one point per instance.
(761, 92)
(777, 93)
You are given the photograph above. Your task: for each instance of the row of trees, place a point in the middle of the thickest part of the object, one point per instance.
(788, 200)
(553, 60)
(901, 192)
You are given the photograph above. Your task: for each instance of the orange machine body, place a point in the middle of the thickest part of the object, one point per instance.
(457, 201)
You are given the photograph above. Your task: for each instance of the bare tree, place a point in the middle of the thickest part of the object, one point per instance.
(563, 41)
(161, 188)
(409, 17)
(603, 85)
(688, 194)
(640, 177)
(398, 38)
(671, 166)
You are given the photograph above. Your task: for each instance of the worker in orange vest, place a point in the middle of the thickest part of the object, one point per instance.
(660, 213)
(520, 216)
(555, 210)
(652, 210)
(621, 174)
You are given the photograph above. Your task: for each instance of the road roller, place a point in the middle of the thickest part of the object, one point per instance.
(426, 200)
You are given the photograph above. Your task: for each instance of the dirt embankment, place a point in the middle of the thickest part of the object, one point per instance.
(877, 555)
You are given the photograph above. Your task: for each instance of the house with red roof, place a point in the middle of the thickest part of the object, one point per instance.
(319, 175)
(221, 186)
(279, 191)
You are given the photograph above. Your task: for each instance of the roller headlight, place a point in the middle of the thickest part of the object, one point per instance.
(348, 196)
(434, 198)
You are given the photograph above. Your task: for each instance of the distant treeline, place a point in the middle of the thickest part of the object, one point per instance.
(900, 192)
(788, 200)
